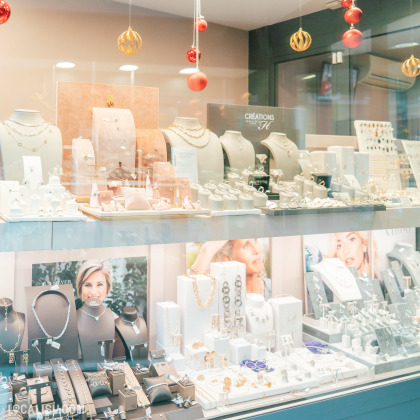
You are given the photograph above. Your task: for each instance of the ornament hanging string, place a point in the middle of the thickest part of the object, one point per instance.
(197, 13)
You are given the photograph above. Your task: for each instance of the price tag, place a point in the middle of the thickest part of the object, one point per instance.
(102, 350)
(136, 329)
(55, 344)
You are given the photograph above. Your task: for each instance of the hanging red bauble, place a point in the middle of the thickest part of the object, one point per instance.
(346, 3)
(192, 55)
(197, 81)
(201, 24)
(352, 38)
(353, 15)
(4, 12)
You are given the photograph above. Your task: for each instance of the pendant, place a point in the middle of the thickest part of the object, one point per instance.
(96, 318)
(156, 148)
(11, 357)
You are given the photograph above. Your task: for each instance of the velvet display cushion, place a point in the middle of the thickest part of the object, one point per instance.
(157, 389)
(98, 384)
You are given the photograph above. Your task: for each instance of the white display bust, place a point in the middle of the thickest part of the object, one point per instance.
(26, 133)
(239, 151)
(284, 154)
(189, 133)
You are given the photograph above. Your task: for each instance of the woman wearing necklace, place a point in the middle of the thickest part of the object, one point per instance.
(247, 251)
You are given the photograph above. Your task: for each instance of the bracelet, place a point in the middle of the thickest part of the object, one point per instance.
(155, 386)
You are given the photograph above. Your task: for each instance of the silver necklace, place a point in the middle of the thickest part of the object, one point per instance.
(28, 125)
(93, 316)
(37, 318)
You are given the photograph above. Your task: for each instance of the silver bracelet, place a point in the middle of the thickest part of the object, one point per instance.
(155, 386)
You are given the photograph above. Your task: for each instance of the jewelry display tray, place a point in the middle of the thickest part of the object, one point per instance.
(238, 212)
(12, 219)
(350, 209)
(138, 214)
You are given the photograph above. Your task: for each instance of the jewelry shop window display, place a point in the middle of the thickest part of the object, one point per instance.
(26, 133)
(189, 133)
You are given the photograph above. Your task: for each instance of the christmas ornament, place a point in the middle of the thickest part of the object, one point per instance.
(352, 38)
(4, 12)
(411, 67)
(346, 3)
(197, 81)
(192, 55)
(129, 42)
(300, 40)
(353, 15)
(201, 24)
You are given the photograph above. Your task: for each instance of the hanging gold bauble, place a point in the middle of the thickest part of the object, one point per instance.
(129, 42)
(411, 67)
(300, 40)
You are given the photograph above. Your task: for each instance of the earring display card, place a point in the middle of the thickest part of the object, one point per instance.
(402, 313)
(399, 274)
(315, 287)
(410, 265)
(392, 286)
(231, 292)
(411, 299)
(386, 341)
(370, 289)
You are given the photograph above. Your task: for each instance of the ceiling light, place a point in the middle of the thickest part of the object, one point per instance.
(188, 70)
(406, 45)
(129, 67)
(309, 76)
(65, 65)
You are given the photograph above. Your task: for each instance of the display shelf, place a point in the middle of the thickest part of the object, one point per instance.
(93, 233)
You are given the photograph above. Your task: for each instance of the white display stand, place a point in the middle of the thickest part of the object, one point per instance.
(168, 326)
(228, 272)
(195, 357)
(114, 138)
(9, 190)
(339, 279)
(239, 151)
(209, 157)
(240, 350)
(287, 312)
(375, 137)
(344, 160)
(83, 169)
(284, 154)
(324, 162)
(412, 149)
(26, 133)
(196, 321)
(361, 168)
(259, 317)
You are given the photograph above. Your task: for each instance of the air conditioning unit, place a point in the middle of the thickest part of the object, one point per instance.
(381, 72)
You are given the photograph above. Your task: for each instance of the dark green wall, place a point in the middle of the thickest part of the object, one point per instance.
(270, 45)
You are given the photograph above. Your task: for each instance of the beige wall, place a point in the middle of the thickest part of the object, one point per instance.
(34, 40)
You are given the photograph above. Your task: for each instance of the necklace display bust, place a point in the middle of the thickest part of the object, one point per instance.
(95, 322)
(239, 151)
(133, 331)
(189, 133)
(26, 133)
(12, 327)
(284, 154)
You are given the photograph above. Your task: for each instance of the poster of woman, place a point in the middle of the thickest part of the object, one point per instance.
(254, 253)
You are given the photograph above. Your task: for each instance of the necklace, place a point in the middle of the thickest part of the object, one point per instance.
(22, 133)
(93, 316)
(11, 352)
(192, 136)
(28, 125)
(330, 268)
(39, 322)
(20, 144)
(284, 145)
(197, 294)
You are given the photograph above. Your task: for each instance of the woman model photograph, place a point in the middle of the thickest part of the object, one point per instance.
(247, 251)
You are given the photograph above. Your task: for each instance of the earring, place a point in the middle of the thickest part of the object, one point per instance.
(364, 250)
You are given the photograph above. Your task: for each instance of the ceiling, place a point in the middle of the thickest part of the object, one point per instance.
(241, 14)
